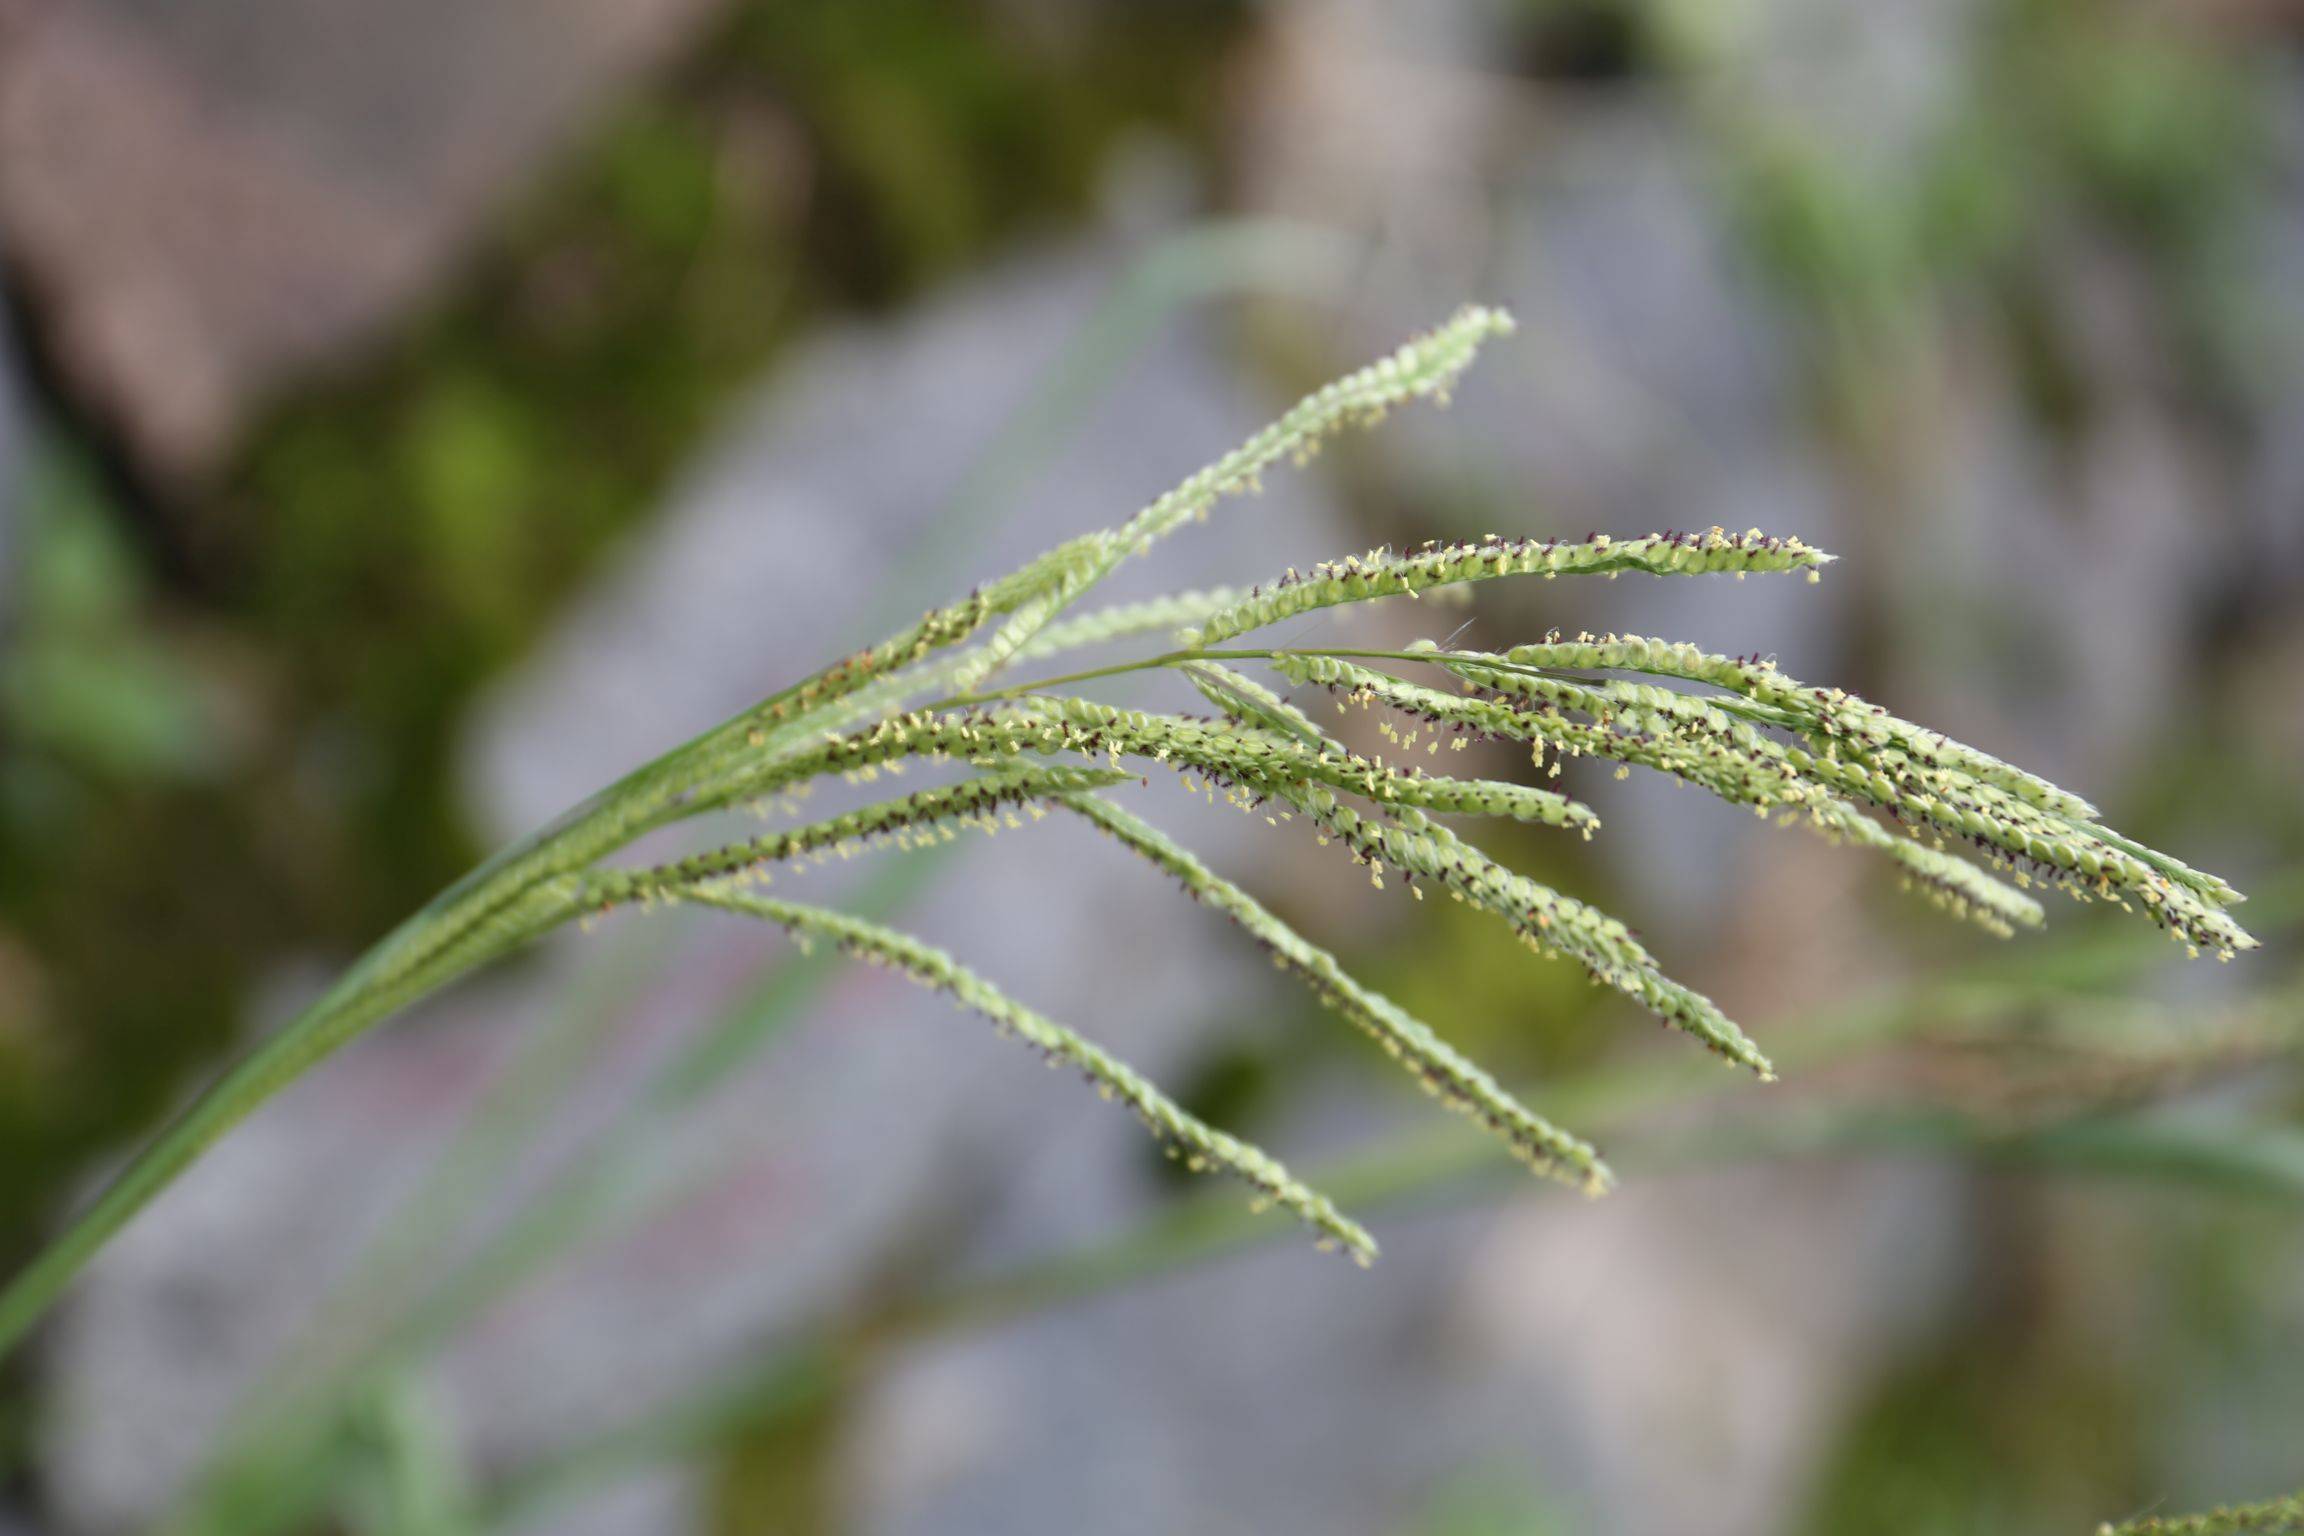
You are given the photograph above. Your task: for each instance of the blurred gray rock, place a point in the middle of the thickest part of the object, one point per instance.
(1644, 1366)
(209, 198)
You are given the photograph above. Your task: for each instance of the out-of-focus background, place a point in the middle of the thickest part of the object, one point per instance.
(412, 415)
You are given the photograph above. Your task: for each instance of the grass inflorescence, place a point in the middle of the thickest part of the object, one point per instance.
(1970, 832)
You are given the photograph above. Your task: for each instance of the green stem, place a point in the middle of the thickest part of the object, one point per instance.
(1043, 684)
(520, 894)
(1179, 658)
(1149, 663)
(371, 992)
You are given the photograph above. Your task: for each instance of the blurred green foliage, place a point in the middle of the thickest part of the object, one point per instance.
(85, 687)
(1980, 1430)
(116, 750)
(1488, 1501)
(2075, 122)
